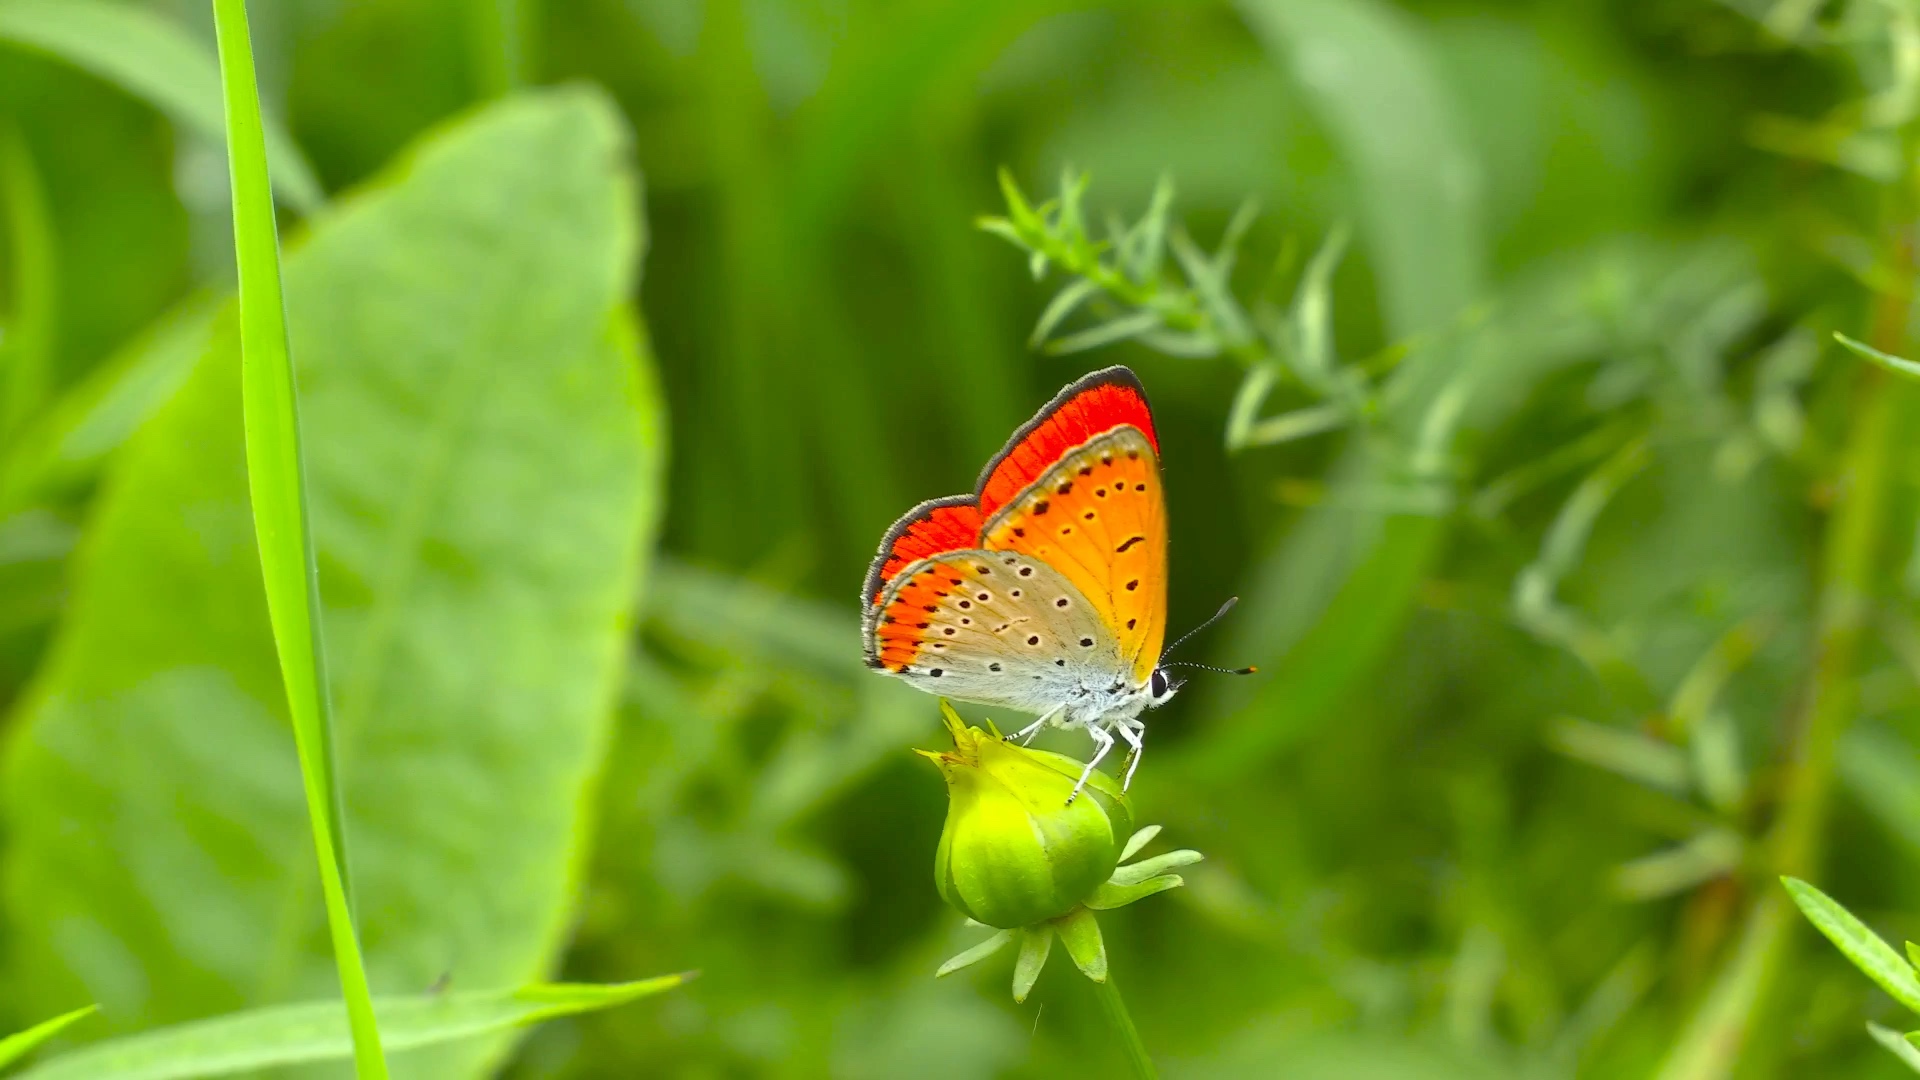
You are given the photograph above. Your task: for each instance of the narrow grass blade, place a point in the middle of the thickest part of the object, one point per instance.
(154, 60)
(1896, 1044)
(318, 1031)
(1897, 364)
(1874, 957)
(26, 349)
(14, 1047)
(276, 479)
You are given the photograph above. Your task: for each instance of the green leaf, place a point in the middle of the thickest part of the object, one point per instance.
(1141, 838)
(1107, 333)
(979, 952)
(317, 1031)
(1896, 1044)
(1080, 933)
(1135, 873)
(154, 60)
(484, 453)
(69, 442)
(277, 484)
(1860, 945)
(16, 1046)
(1896, 364)
(1057, 309)
(1109, 895)
(1035, 943)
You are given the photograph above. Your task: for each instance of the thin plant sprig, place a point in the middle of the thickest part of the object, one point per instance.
(276, 481)
(1188, 309)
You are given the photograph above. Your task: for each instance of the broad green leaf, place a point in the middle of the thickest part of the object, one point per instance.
(67, 445)
(14, 1047)
(152, 59)
(483, 454)
(317, 1031)
(1874, 957)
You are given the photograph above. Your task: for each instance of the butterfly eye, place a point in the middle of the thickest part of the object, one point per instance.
(1158, 685)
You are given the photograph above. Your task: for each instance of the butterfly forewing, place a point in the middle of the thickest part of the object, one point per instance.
(1098, 516)
(993, 627)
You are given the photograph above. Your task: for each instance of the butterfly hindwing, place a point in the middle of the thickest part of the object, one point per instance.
(993, 627)
(1098, 516)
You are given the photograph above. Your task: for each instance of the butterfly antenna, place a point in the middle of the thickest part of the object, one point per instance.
(1217, 616)
(1248, 670)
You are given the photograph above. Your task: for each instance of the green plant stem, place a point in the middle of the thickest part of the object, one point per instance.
(1712, 1043)
(1114, 1008)
(276, 482)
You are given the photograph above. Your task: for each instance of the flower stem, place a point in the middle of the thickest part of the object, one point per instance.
(1115, 1009)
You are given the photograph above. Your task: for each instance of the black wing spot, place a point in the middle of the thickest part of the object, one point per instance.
(1041, 507)
(1106, 459)
(921, 626)
(1088, 515)
(1033, 639)
(1010, 560)
(1086, 643)
(936, 673)
(1100, 493)
(932, 607)
(1133, 455)
(1062, 602)
(1065, 487)
(1066, 530)
(949, 631)
(1059, 663)
(984, 597)
(1017, 531)
(993, 667)
(966, 603)
(1026, 571)
(964, 621)
(1139, 487)
(1016, 594)
(1131, 540)
(1132, 585)
(1130, 623)
(957, 581)
(1086, 470)
(984, 569)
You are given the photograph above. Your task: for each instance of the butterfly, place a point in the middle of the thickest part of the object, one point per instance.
(1045, 590)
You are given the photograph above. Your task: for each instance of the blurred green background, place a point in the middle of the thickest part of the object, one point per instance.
(1586, 604)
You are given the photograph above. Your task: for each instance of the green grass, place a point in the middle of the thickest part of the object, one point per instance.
(277, 481)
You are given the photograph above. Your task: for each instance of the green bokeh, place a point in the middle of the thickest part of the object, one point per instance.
(1538, 635)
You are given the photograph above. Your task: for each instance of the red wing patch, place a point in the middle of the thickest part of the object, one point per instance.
(1090, 407)
(933, 527)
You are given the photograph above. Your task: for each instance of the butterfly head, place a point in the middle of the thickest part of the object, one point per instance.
(1161, 687)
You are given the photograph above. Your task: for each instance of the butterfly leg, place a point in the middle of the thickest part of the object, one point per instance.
(1134, 735)
(1103, 742)
(1026, 734)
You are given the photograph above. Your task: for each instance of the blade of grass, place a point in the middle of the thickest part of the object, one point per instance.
(276, 480)
(14, 1047)
(154, 60)
(316, 1031)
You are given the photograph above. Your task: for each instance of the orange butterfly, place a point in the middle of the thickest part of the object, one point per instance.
(1046, 589)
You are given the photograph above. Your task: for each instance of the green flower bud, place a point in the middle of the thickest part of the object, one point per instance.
(1014, 851)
